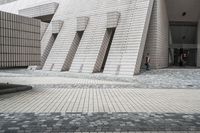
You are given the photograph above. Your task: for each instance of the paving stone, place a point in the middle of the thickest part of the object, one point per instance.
(163, 78)
(118, 125)
(177, 109)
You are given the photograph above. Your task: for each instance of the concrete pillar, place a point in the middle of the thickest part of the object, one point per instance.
(198, 45)
(157, 44)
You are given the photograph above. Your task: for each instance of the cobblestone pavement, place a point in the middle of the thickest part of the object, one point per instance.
(98, 122)
(163, 78)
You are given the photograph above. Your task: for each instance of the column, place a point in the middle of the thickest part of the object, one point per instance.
(198, 45)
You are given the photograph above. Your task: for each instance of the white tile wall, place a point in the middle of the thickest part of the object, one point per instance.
(56, 26)
(61, 46)
(82, 23)
(86, 55)
(112, 19)
(126, 51)
(128, 44)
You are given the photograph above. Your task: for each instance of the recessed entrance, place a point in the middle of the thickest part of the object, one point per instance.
(183, 44)
(184, 31)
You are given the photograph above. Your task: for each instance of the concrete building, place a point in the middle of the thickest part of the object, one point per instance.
(6, 1)
(113, 36)
(19, 41)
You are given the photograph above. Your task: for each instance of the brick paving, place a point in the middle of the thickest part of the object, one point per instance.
(117, 103)
(163, 78)
(98, 122)
(102, 100)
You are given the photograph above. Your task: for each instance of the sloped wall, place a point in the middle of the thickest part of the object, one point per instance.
(128, 44)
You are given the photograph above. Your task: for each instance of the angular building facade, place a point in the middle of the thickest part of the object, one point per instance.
(114, 36)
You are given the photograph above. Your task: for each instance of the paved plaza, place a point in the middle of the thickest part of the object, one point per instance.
(101, 100)
(62, 102)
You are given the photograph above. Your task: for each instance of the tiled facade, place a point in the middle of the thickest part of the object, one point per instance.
(78, 37)
(19, 41)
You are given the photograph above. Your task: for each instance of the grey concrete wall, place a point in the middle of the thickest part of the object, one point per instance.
(198, 46)
(19, 41)
(157, 38)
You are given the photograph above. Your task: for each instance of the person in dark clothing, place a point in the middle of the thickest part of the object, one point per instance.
(147, 62)
(181, 61)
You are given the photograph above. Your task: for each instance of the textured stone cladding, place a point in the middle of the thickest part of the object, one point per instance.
(5, 1)
(19, 41)
(126, 51)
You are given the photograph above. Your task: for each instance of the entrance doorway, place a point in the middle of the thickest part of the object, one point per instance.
(183, 44)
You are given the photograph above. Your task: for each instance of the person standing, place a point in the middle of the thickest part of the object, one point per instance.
(147, 62)
(181, 57)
